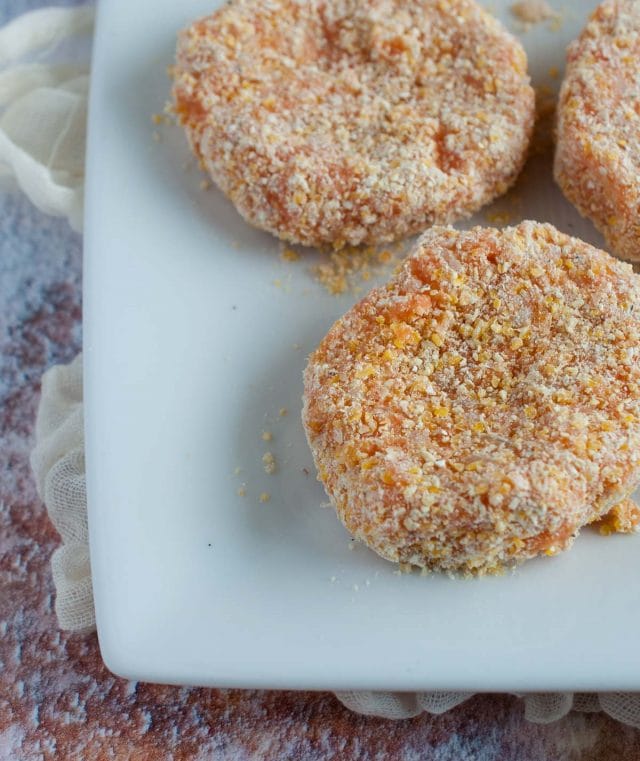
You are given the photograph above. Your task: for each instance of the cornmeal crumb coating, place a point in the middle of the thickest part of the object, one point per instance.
(354, 121)
(597, 162)
(622, 519)
(483, 405)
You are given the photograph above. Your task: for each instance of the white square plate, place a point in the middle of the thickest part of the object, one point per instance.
(189, 355)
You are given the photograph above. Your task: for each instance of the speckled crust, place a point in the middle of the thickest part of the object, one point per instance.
(624, 518)
(485, 404)
(354, 121)
(597, 161)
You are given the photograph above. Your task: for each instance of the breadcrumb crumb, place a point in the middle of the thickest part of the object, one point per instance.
(533, 11)
(269, 463)
(289, 255)
(623, 519)
(498, 217)
(344, 270)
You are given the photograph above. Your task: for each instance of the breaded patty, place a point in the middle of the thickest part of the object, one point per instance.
(354, 121)
(597, 161)
(484, 405)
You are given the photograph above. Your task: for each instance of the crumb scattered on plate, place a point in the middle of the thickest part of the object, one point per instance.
(269, 463)
(533, 11)
(350, 268)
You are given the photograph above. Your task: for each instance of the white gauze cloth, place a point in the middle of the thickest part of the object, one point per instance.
(44, 82)
(42, 138)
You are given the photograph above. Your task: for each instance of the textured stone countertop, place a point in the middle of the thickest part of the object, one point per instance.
(57, 699)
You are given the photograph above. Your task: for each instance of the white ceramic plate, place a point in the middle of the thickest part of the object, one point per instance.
(190, 352)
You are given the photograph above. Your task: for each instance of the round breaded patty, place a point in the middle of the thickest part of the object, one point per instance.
(485, 404)
(597, 161)
(354, 121)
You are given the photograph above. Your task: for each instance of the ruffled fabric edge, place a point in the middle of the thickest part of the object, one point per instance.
(57, 461)
(539, 708)
(43, 109)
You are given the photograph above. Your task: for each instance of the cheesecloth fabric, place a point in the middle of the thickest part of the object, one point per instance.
(43, 103)
(43, 107)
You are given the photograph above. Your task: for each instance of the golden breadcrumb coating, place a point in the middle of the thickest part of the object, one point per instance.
(597, 162)
(624, 518)
(484, 405)
(354, 121)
